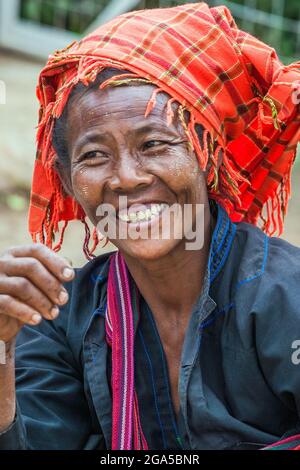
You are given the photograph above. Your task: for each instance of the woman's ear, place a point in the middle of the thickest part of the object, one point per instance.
(64, 176)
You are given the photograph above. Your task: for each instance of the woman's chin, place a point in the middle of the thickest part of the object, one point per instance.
(147, 250)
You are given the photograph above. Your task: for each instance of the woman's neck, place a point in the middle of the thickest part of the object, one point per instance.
(172, 284)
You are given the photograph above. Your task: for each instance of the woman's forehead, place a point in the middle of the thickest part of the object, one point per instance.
(119, 97)
(128, 103)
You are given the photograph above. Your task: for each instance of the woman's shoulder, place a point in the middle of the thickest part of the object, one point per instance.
(267, 259)
(261, 292)
(267, 277)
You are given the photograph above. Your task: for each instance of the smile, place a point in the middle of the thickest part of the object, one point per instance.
(151, 211)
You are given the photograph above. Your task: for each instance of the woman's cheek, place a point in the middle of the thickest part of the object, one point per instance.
(183, 168)
(84, 184)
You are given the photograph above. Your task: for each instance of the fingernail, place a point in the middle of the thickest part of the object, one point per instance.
(63, 296)
(54, 312)
(68, 273)
(36, 318)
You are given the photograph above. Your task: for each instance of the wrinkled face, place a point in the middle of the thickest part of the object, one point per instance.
(116, 152)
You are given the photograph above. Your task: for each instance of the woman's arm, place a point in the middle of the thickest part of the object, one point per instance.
(277, 326)
(31, 287)
(7, 387)
(52, 408)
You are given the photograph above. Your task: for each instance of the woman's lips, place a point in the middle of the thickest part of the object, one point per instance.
(138, 213)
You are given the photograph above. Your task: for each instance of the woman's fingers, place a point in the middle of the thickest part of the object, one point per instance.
(13, 308)
(23, 290)
(36, 272)
(54, 263)
(31, 287)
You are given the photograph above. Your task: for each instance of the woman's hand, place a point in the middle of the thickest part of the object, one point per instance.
(31, 287)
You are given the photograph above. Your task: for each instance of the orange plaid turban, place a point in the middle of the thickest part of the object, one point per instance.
(230, 82)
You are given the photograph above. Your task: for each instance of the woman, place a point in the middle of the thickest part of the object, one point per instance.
(165, 344)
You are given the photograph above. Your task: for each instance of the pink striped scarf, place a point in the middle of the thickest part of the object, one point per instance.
(127, 431)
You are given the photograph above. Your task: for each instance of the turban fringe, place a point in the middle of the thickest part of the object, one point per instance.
(230, 82)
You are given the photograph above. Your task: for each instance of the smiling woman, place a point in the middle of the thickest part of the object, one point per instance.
(168, 125)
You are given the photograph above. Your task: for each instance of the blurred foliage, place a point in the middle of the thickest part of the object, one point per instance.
(291, 7)
(76, 16)
(72, 15)
(16, 200)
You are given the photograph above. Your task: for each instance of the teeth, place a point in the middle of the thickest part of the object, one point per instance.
(133, 217)
(154, 209)
(148, 214)
(141, 215)
(124, 217)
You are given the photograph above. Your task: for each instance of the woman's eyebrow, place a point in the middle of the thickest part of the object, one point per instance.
(152, 127)
(91, 137)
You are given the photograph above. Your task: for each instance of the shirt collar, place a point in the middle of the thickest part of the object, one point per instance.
(221, 242)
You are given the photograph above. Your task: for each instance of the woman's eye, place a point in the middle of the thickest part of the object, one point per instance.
(153, 143)
(93, 155)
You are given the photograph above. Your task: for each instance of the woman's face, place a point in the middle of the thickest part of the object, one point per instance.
(117, 153)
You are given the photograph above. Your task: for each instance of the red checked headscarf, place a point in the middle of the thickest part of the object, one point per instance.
(230, 82)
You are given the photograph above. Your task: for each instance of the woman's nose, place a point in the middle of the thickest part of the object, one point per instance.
(129, 175)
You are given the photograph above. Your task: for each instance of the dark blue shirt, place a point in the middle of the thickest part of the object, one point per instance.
(239, 378)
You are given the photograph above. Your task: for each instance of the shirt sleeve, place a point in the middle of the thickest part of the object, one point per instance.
(278, 326)
(13, 438)
(52, 409)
